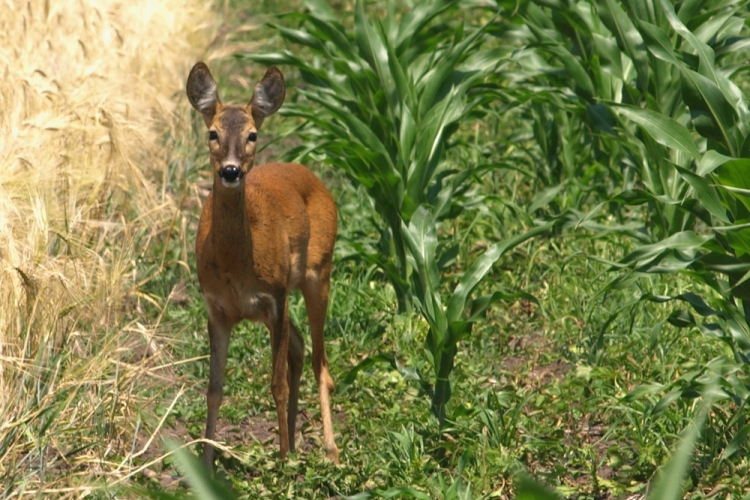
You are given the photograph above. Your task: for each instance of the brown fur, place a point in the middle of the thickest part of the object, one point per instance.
(257, 241)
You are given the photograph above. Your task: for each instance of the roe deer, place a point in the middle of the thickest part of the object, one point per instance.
(264, 231)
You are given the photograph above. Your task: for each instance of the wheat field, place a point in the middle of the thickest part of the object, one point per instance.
(90, 108)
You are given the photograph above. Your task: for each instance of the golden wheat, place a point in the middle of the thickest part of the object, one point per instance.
(89, 90)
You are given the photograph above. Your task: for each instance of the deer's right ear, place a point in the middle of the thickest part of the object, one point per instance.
(202, 92)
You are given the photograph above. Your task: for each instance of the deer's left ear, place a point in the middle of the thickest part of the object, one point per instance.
(268, 95)
(202, 92)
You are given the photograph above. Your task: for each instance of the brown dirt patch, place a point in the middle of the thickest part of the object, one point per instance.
(553, 371)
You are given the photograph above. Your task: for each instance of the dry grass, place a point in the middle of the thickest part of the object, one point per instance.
(89, 90)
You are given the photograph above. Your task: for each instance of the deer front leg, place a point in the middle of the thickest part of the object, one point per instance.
(218, 336)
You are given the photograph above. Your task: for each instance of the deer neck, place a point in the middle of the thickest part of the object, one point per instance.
(230, 225)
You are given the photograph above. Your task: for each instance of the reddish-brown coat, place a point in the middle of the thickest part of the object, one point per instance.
(288, 211)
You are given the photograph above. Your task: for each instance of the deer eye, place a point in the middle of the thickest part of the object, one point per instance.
(213, 135)
(252, 137)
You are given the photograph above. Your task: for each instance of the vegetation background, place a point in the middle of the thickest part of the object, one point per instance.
(541, 268)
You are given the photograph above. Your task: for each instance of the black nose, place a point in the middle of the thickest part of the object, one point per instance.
(230, 173)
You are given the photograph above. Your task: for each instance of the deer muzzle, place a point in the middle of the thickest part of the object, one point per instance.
(230, 175)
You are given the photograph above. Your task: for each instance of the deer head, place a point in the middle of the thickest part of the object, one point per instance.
(233, 130)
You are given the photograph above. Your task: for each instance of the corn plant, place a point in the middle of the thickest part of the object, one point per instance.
(450, 318)
(382, 103)
(660, 76)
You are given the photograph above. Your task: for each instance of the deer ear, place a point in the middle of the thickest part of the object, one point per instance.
(268, 96)
(202, 92)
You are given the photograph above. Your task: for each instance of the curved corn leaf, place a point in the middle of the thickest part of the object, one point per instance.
(658, 43)
(531, 489)
(687, 241)
(482, 265)
(738, 442)
(321, 10)
(618, 22)
(705, 53)
(420, 236)
(571, 63)
(668, 485)
(712, 114)
(661, 128)
(710, 162)
(705, 193)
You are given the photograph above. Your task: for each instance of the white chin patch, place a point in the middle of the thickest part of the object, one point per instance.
(228, 184)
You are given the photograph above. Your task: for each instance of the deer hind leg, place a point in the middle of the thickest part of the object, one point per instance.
(218, 335)
(296, 362)
(279, 328)
(315, 290)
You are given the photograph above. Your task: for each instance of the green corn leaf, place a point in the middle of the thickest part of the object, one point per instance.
(610, 53)
(482, 265)
(643, 390)
(418, 18)
(689, 9)
(422, 240)
(618, 22)
(668, 485)
(735, 46)
(642, 10)
(571, 63)
(658, 43)
(299, 37)
(705, 53)
(683, 241)
(544, 197)
(665, 401)
(420, 235)
(737, 443)
(407, 136)
(431, 142)
(333, 32)
(710, 29)
(710, 162)
(738, 238)
(389, 359)
(705, 193)
(641, 196)
(200, 480)
(531, 489)
(733, 172)
(370, 40)
(707, 66)
(321, 10)
(429, 87)
(661, 128)
(272, 58)
(734, 177)
(359, 130)
(723, 262)
(698, 304)
(713, 116)
(406, 93)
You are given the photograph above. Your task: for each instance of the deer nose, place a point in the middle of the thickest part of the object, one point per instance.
(230, 173)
